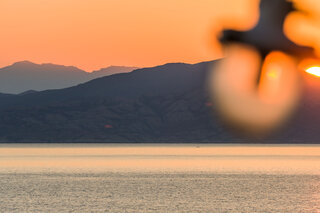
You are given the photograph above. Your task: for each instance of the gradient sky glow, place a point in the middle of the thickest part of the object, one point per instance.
(91, 34)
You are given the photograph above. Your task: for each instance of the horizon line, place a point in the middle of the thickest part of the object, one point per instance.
(96, 70)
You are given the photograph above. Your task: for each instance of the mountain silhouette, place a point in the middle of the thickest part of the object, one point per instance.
(168, 103)
(150, 104)
(111, 71)
(25, 76)
(28, 92)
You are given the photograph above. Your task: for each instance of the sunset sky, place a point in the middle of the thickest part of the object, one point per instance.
(91, 34)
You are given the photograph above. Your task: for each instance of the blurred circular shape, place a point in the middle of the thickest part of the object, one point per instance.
(251, 103)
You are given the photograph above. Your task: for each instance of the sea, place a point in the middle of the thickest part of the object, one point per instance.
(159, 178)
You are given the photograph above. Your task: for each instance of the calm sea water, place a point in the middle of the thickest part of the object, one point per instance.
(159, 178)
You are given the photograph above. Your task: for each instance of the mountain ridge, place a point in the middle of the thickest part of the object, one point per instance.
(25, 75)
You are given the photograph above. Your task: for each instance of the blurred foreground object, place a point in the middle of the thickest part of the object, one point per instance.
(257, 86)
(246, 106)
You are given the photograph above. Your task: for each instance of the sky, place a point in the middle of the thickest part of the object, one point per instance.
(91, 34)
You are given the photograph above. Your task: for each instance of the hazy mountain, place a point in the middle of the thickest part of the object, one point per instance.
(111, 71)
(28, 92)
(24, 76)
(168, 103)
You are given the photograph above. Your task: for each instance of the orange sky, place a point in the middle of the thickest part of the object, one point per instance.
(91, 34)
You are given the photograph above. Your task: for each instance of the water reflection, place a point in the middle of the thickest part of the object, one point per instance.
(273, 159)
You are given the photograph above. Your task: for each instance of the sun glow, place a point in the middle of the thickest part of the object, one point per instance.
(314, 71)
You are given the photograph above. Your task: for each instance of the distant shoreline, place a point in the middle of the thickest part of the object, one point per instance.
(134, 144)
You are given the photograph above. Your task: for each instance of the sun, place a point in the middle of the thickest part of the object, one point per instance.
(314, 71)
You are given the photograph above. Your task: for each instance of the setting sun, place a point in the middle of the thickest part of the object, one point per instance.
(314, 71)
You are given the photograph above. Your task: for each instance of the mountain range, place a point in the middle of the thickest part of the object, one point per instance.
(168, 103)
(26, 76)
